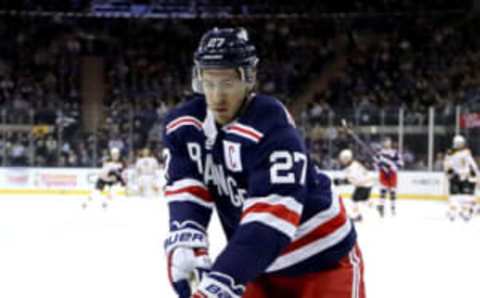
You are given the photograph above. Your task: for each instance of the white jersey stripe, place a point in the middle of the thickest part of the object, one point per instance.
(320, 218)
(188, 197)
(357, 273)
(244, 131)
(289, 202)
(311, 249)
(188, 182)
(250, 129)
(178, 192)
(183, 121)
(238, 133)
(272, 221)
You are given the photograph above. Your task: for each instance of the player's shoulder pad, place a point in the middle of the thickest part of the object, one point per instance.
(262, 116)
(190, 114)
(356, 163)
(462, 151)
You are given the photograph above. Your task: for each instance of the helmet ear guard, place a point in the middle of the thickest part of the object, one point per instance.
(249, 76)
(196, 80)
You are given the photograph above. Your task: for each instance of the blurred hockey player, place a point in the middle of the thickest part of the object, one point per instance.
(388, 161)
(146, 170)
(109, 176)
(357, 175)
(287, 231)
(462, 172)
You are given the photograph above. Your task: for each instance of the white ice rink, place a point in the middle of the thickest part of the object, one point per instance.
(51, 248)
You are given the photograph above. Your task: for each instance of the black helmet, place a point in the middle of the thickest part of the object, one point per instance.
(225, 48)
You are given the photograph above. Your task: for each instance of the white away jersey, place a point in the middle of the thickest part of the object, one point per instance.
(358, 175)
(462, 163)
(108, 167)
(146, 166)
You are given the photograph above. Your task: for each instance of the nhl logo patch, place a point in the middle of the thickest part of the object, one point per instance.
(233, 159)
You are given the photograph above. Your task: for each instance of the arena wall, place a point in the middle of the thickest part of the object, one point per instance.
(79, 181)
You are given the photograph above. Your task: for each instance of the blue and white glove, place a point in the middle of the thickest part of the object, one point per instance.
(188, 260)
(381, 164)
(218, 285)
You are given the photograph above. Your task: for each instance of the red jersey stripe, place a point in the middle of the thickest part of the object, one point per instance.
(197, 191)
(184, 121)
(320, 232)
(279, 211)
(245, 131)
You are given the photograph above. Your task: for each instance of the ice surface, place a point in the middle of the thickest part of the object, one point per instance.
(51, 247)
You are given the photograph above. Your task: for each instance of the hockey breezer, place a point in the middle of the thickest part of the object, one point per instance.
(239, 152)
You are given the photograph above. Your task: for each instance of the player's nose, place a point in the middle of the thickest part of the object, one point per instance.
(218, 97)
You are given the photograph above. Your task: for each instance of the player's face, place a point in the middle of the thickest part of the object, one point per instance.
(146, 153)
(224, 91)
(115, 156)
(387, 144)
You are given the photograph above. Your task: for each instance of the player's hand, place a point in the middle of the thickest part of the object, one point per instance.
(346, 130)
(450, 173)
(188, 260)
(186, 267)
(217, 285)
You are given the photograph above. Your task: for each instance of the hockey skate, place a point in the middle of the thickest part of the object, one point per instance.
(381, 210)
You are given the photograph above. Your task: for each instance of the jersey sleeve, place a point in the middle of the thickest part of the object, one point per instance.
(189, 201)
(271, 213)
(473, 164)
(399, 157)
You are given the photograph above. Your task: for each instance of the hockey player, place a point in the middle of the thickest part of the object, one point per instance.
(146, 170)
(287, 231)
(357, 175)
(462, 173)
(110, 175)
(388, 161)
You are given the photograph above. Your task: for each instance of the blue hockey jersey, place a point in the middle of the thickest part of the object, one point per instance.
(279, 212)
(388, 161)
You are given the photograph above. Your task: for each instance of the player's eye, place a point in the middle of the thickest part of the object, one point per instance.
(228, 84)
(208, 84)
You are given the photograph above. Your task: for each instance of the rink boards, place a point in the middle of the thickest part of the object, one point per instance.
(79, 181)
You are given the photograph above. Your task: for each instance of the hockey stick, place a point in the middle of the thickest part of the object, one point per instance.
(359, 141)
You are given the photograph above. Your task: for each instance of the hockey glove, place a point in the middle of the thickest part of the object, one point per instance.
(218, 285)
(188, 260)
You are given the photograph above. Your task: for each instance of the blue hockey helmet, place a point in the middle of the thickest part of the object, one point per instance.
(226, 48)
